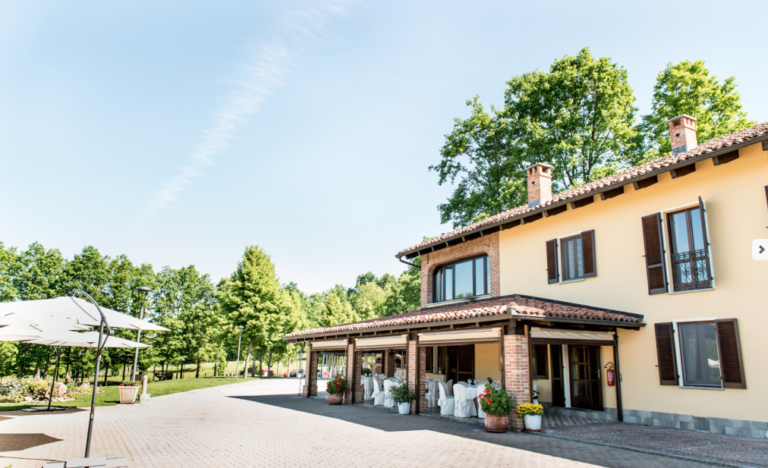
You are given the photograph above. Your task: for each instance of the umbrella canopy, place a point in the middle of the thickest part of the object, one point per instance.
(84, 340)
(69, 313)
(19, 333)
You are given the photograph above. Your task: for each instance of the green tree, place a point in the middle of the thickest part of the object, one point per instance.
(89, 271)
(252, 298)
(38, 274)
(9, 265)
(405, 295)
(8, 353)
(578, 117)
(481, 153)
(688, 88)
(336, 310)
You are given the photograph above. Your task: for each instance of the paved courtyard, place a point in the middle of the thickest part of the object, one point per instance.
(263, 423)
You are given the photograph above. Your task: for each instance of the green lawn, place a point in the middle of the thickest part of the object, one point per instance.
(110, 396)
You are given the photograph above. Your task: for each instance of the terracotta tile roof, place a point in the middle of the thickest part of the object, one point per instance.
(620, 178)
(511, 305)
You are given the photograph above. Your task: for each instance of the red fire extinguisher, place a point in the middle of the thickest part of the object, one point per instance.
(611, 375)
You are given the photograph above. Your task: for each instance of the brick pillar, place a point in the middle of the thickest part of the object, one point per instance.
(358, 386)
(517, 372)
(414, 382)
(423, 403)
(310, 376)
(351, 374)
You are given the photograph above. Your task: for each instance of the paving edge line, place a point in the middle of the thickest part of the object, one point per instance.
(647, 451)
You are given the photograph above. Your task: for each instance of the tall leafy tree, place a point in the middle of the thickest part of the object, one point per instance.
(688, 88)
(251, 298)
(9, 265)
(482, 154)
(578, 117)
(39, 273)
(336, 310)
(89, 271)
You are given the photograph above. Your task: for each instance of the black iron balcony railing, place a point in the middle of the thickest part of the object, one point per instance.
(691, 270)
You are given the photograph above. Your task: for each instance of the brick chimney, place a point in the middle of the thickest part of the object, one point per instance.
(682, 133)
(539, 184)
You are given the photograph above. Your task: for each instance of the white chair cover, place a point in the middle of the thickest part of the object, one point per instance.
(388, 401)
(460, 382)
(378, 393)
(480, 412)
(434, 392)
(465, 407)
(447, 403)
(368, 385)
(449, 384)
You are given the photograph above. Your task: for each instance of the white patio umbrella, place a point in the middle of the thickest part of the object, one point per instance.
(19, 333)
(72, 313)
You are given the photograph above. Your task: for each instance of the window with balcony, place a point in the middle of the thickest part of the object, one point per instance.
(689, 250)
(467, 278)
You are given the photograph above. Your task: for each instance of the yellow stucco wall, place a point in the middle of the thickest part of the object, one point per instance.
(487, 361)
(734, 195)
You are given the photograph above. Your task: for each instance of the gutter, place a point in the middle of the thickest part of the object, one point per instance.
(693, 160)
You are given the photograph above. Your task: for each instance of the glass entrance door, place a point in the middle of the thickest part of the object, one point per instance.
(585, 377)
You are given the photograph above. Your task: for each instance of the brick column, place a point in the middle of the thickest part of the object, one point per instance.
(414, 382)
(517, 371)
(310, 376)
(423, 403)
(351, 374)
(358, 386)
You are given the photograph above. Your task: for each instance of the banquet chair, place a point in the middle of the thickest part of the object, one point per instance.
(368, 386)
(434, 392)
(388, 401)
(378, 393)
(464, 407)
(446, 402)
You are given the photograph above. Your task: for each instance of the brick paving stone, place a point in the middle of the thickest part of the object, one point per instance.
(715, 447)
(263, 423)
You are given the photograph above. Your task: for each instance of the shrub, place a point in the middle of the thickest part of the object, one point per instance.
(401, 394)
(337, 385)
(12, 387)
(495, 402)
(529, 409)
(38, 390)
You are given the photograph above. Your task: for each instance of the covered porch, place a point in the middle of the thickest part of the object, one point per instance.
(531, 347)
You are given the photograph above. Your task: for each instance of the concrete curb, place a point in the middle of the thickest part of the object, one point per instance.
(646, 451)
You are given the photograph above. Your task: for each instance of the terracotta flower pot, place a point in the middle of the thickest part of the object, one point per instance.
(335, 399)
(496, 423)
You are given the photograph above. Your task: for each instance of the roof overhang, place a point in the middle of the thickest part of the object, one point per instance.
(517, 220)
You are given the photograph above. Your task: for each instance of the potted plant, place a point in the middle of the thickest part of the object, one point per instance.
(497, 405)
(337, 387)
(128, 392)
(402, 397)
(531, 412)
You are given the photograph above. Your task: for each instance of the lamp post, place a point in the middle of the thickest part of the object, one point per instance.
(143, 291)
(237, 366)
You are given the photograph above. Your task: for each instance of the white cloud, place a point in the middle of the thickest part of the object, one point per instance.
(262, 71)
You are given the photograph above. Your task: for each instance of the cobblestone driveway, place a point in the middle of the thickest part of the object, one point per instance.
(250, 424)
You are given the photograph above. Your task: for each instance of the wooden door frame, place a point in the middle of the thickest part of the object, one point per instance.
(600, 406)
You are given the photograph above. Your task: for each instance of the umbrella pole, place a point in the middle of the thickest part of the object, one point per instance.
(55, 374)
(93, 395)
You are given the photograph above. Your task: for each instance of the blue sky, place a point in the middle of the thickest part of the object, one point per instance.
(178, 132)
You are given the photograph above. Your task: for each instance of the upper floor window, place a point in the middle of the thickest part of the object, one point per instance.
(467, 278)
(691, 267)
(576, 257)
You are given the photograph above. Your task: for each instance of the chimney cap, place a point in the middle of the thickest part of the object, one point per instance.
(540, 164)
(681, 116)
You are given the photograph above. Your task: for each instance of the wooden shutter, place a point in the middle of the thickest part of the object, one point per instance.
(552, 273)
(588, 251)
(654, 254)
(704, 235)
(729, 347)
(665, 349)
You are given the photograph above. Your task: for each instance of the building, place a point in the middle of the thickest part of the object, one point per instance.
(648, 271)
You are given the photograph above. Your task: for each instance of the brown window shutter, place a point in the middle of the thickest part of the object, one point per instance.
(654, 254)
(588, 249)
(552, 273)
(729, 347)
(665, 349)
(704, 234)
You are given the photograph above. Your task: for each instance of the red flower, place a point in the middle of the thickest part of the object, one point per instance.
(487, 390)
(490, 400)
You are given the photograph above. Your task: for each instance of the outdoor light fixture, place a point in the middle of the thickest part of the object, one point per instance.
(143, 291)
(237, 366)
